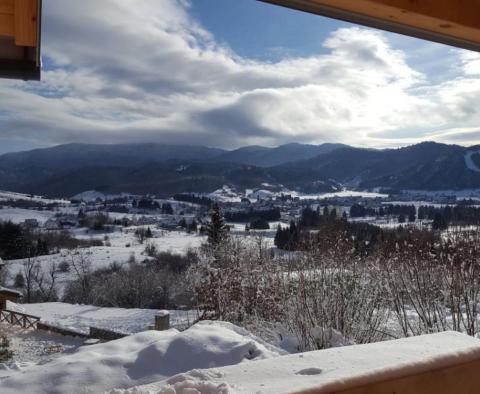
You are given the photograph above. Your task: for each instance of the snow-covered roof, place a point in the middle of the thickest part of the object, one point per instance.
(10, 291)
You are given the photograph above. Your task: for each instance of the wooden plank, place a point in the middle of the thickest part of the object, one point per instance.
(462, 12)
(7, 25)
(446, 21)
(6, 7)
(26, 22)
(455, 379)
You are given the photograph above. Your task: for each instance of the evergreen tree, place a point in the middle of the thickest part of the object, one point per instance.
(439, 222)
(411, 217)
(42, 248)
(192, 227)
(19, 280)
(216, 229)
(333, 213)
(167, 209)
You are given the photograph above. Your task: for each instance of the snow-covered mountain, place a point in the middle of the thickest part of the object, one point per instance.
(67, 170)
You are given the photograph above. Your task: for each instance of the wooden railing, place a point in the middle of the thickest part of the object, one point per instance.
(19, 319)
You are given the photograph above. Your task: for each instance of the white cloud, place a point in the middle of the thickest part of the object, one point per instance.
(119, 73)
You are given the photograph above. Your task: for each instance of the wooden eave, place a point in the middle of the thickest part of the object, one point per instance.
(451, 22)
(20, 36)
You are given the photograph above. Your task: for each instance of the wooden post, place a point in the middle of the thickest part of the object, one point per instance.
(162, 321)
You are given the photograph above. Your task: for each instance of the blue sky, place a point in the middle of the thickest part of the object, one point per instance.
(261, 31)
(229, 73)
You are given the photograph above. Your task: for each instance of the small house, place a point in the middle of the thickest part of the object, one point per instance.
(31, 224)
(8, 295)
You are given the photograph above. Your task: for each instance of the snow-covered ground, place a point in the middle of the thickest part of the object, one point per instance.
(225, 194)
(80, 317)
(33, 346)
(217, 358)
(93, 195)
(343, 193)
(392, 222)
(119, 248)
(6, 195)
(236, 227)
(139, 359)
(18, 215)
(460, 194)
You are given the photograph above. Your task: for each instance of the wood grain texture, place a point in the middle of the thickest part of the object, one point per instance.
(26, 22)
(455, 22)
(6, 7)
(7, 25)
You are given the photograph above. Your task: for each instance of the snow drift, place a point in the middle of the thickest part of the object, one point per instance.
(325, 371)
(140, 359)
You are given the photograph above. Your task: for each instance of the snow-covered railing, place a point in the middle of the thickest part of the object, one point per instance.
(443, 363)
(60, 330)
(19, 319)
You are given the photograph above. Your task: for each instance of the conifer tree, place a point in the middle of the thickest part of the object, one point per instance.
(216, 229)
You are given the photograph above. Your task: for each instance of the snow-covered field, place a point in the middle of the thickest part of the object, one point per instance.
(343, 193)
(5, 195)
(391, 223)
(18, 215)
(122, 246)
(80, 317)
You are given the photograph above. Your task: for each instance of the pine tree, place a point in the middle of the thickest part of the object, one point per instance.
(167, 209)
(182, 223)
(19, 280)
(216, 229)
(439, 222)
(192, 227)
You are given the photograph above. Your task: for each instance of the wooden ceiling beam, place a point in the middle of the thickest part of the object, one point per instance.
(6, 7)
(26, 26)
(451, 22)
(7, 23)
(20, 39)
(19, 19)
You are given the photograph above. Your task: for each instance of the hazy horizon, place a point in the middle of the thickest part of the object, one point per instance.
(225, 149)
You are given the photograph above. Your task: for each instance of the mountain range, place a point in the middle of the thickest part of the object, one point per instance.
(65, 170)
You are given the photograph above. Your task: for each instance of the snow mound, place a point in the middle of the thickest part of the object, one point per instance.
(326, 371)
(144, 358)
(193, 382)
